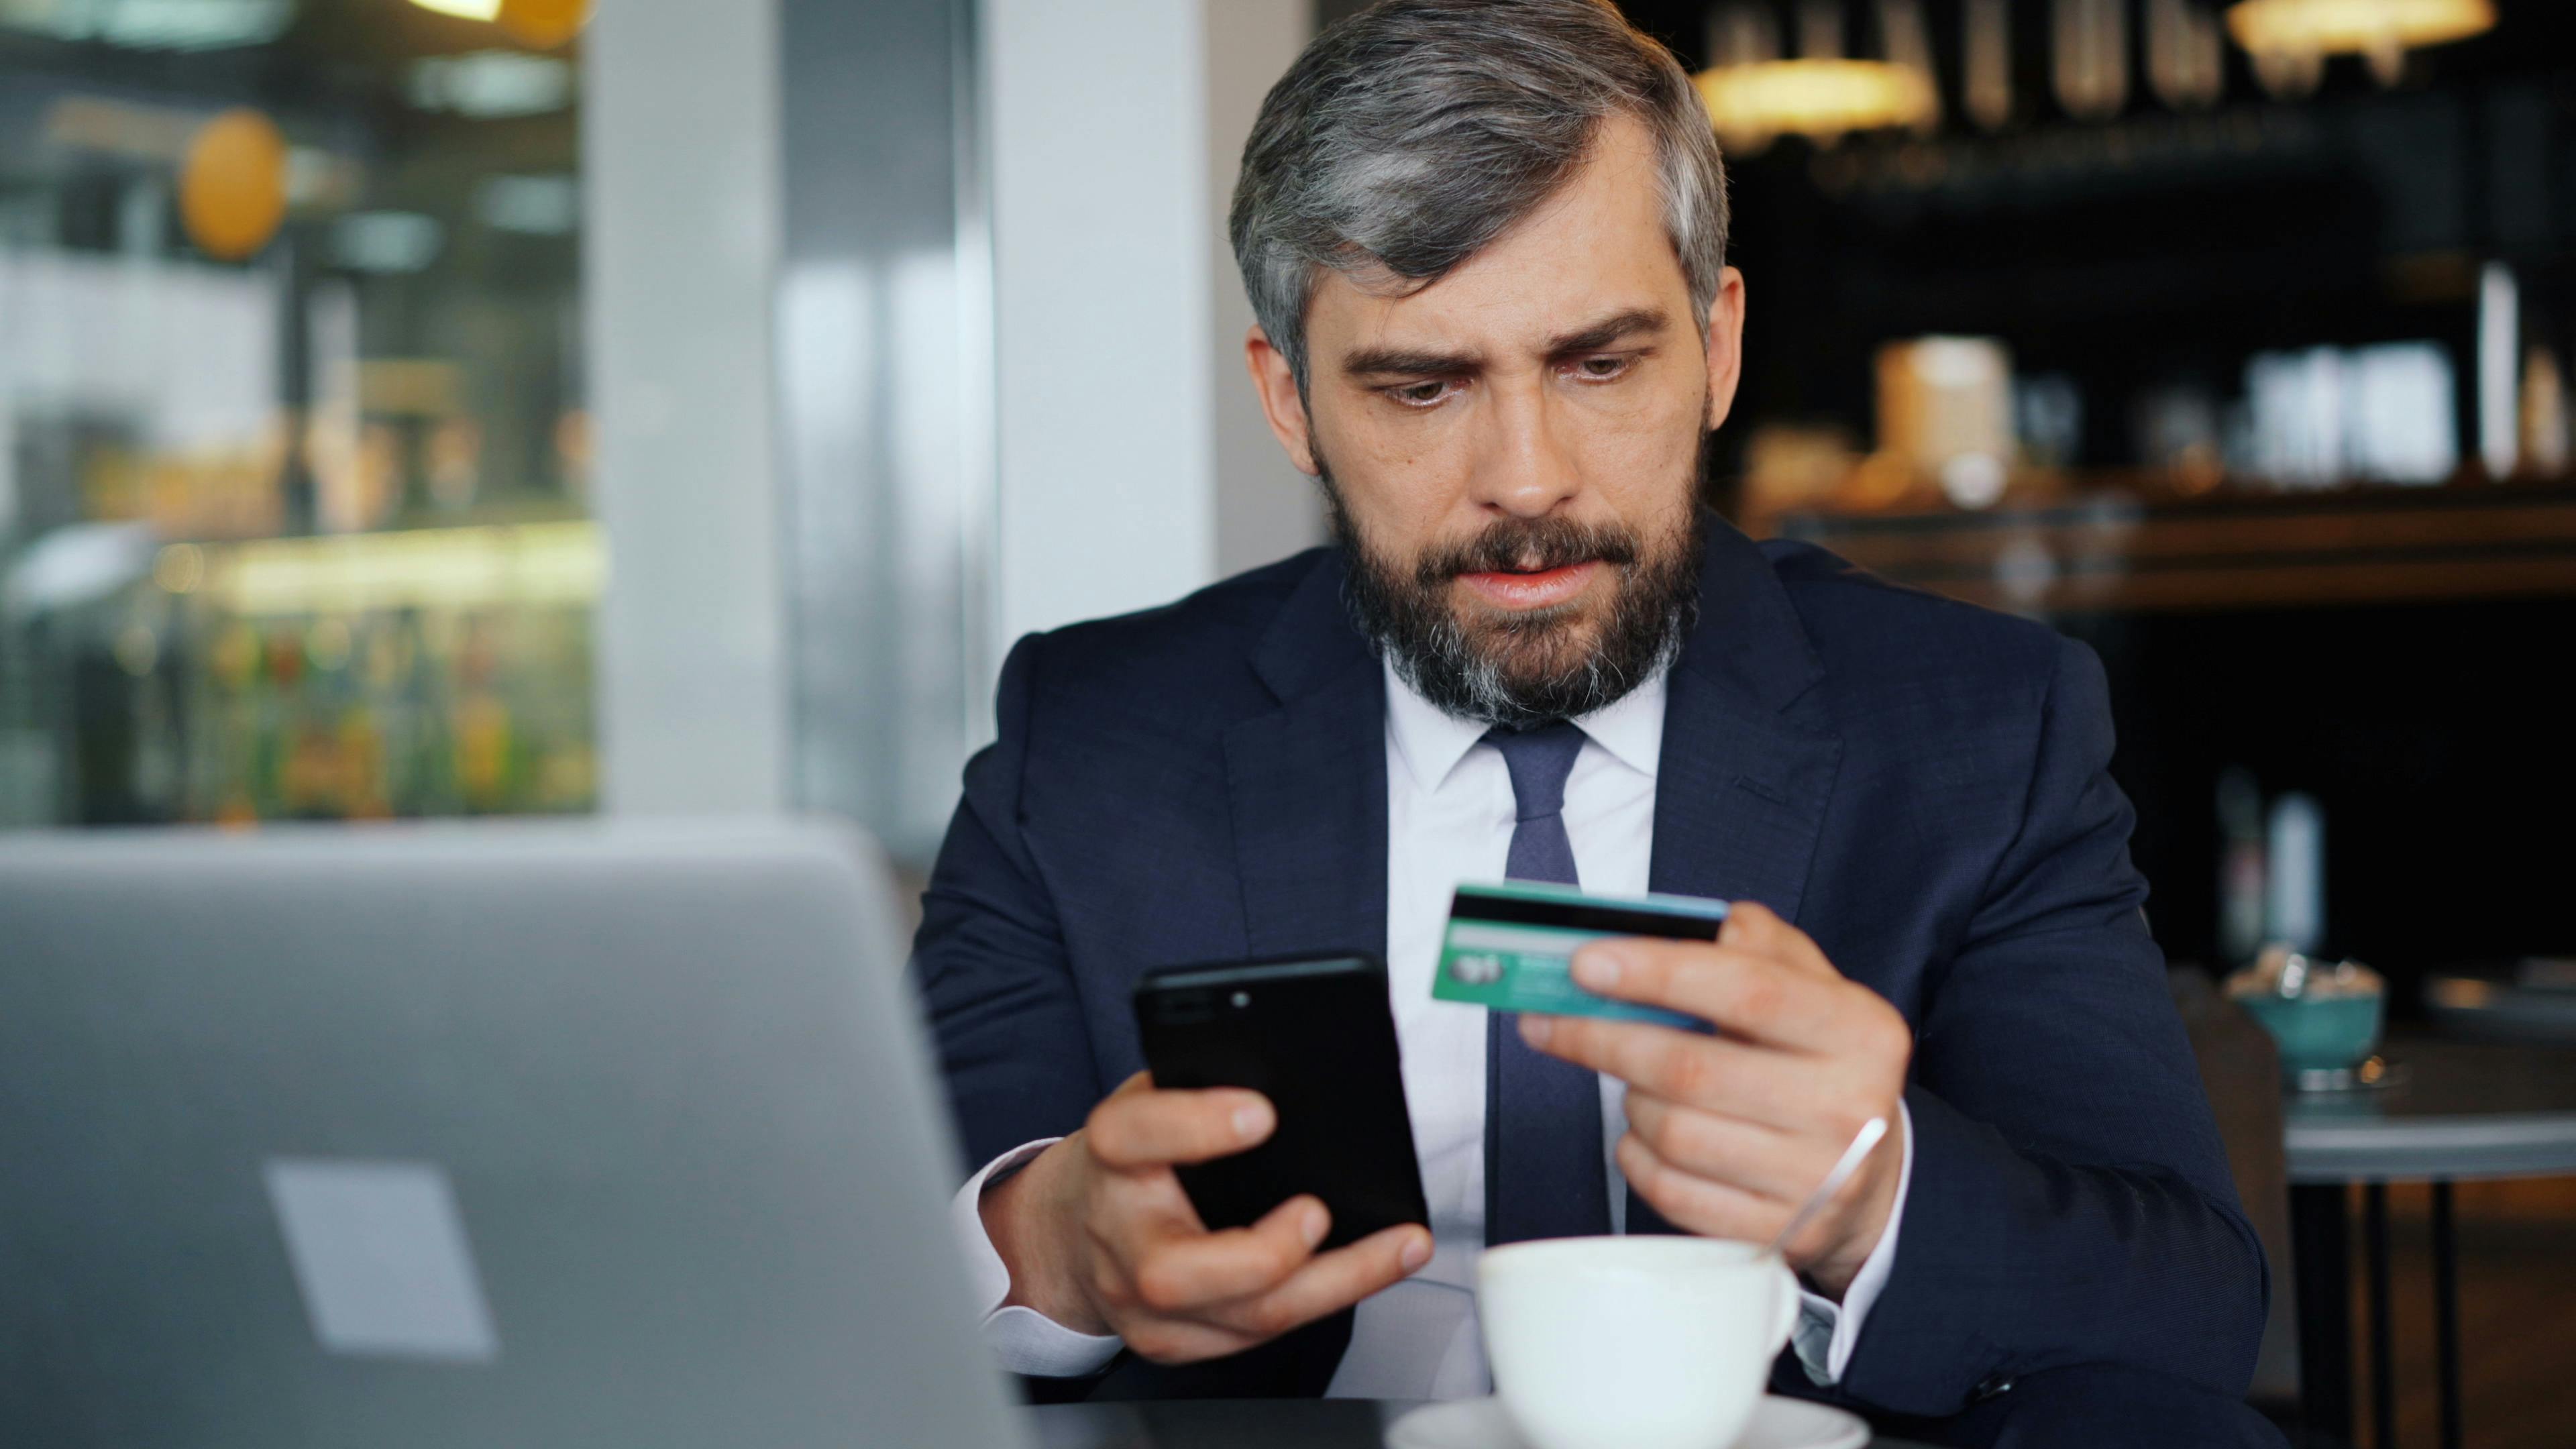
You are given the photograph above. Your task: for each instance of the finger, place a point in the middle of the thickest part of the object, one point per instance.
(1740, 1079)
(1179, 1340)
(1756, 927)
(1136, 1128)
(1751, 995)
(1693, 1203)
(1334, 1281)
(1179, 1272)
(1778, 1166)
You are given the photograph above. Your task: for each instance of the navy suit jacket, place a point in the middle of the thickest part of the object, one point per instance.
(1919, 784)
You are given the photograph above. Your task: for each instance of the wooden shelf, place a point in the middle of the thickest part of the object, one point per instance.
(2119, 552)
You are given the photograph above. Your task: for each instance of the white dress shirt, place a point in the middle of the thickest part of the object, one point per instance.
(1449, 818)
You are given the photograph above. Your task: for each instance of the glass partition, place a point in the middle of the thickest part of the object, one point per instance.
(293, 456)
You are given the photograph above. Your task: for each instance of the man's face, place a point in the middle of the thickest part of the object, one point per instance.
(1512, 451)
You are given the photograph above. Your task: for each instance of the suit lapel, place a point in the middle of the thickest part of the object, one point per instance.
(1747, 768)
(1307, 784)
(1739, 800)
(1746, 772)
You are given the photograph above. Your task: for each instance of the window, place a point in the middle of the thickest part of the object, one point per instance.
(293, 456)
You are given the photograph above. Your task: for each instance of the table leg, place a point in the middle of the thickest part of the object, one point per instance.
(2320, 1244)
(2446, 1313)
(2383, 1371)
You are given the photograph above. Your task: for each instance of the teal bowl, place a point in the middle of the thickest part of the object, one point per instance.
(2319, 1033)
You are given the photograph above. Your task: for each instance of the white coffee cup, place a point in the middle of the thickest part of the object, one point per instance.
(1649, 1342)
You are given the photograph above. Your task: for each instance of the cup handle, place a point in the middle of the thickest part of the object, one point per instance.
(1791, 1303)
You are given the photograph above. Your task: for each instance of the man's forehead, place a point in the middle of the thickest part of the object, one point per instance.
(1594, 250)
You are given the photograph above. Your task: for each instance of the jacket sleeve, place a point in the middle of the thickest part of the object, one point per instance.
(2070, 1202)
(990, 956)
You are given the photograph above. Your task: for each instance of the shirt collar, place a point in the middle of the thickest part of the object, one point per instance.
(1432, 741)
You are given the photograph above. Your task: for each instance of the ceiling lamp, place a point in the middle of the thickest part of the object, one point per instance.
(1751, 104)
(1985, 48)
(2186, 55)
(544, 24)
(2383, 30)
(232, 184)
(1753, 96)
(540, 24)
(2089, 57)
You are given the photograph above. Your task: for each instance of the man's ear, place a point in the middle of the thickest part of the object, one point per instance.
(1725, 345)
(1276, 384)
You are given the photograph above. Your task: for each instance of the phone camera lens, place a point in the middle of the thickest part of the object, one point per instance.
(1242, 999)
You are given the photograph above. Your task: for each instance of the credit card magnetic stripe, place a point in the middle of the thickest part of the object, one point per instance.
(1510, 947)
(1699, 922)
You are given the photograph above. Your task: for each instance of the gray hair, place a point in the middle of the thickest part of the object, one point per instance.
(1413, 134)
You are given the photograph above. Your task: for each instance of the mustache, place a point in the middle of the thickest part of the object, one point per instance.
(1529, 545)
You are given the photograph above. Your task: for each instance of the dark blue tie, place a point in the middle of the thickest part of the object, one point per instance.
(1543, 1171)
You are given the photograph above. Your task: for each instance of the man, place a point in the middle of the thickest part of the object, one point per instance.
(1485, 242)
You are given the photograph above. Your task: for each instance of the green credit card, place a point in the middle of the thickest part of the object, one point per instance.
(1511, 946)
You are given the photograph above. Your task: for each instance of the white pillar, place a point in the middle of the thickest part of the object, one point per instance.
(680, 165)
(1265, 509)
(1113, 132)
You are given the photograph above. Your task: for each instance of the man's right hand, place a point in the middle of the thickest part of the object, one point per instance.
(1099, 1236)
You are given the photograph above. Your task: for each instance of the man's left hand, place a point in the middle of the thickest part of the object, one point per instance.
(1727, 1134)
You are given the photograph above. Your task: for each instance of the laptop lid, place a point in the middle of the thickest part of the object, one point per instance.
(472, 1134)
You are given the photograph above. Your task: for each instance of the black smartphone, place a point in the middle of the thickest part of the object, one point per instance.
(1315, 1035)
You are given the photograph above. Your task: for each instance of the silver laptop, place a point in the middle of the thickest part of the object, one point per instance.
(472, 1135)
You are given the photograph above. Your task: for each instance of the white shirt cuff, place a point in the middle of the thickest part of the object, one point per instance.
(1827, 1330)
(1023, 1339)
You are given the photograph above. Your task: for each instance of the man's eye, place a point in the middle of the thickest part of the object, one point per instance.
(1421, 394)
(1600, 369)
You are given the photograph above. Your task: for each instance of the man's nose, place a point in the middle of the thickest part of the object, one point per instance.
(1523, 464)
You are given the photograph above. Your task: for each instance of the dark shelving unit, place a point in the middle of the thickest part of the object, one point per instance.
(2123, 552)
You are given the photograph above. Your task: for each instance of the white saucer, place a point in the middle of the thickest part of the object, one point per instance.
(1481, 1424)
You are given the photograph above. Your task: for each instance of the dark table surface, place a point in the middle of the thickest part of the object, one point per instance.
(2464, 1109)
(2461, 1110)
(1235, 1424)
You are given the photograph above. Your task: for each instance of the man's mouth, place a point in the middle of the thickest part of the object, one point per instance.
(1531, 589)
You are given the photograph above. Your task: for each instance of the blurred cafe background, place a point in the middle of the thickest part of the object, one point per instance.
(417, 408)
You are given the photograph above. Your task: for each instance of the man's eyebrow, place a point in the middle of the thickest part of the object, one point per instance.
(1398, 362)
(1608, 330)
(1385, 361)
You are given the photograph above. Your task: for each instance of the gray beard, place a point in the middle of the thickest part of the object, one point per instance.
(1408, 618)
